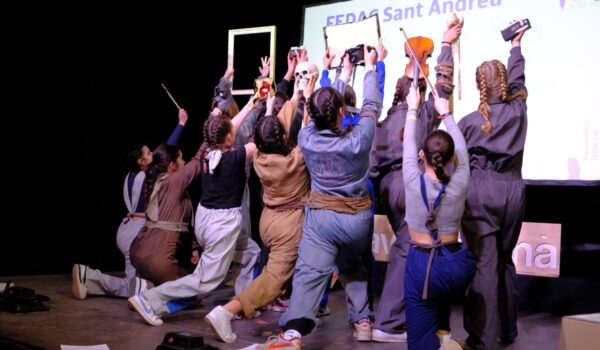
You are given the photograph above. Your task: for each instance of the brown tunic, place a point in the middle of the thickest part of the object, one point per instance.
(162, 255)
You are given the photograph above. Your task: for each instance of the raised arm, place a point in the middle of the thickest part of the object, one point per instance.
(327, 59)
(222, 95)
(444, 71)
(516, 67)
(246, 128)
(461, 170)
(176, 134)
(382, 53)
(371, 106)
(444, 74)
(410, 160)
(241, 116)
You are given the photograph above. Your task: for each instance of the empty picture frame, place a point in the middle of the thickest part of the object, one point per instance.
(341, 37)
(231, 47)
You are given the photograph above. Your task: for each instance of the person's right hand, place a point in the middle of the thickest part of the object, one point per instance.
(516, 41)
(183, 116)
(382, 52)
(414, 97)
(328, 58)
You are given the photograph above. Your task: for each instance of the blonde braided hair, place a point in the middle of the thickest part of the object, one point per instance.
(492, 82)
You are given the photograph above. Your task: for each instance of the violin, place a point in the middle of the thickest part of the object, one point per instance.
(417, 65)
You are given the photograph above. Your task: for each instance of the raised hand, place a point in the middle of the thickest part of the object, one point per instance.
(414, 98)
(292, 62)
(183, 116)
(328, 58)
(516, 41)
(303, 55)
(310, 86)
(382, 52)
(265, 68)
(370, 57)
(452, 33)
(442, 105)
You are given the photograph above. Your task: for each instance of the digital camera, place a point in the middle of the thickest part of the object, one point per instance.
(514, 29)
(356, 54)
(295, 50)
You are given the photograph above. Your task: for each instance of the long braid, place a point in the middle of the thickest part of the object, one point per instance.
(439, 149)
(162, 156)
(330, 110)
(149, 182)
(269, 136)
(437, 163)
(502, 78)
(399, 94)
(482, 73)
(215, 132)
(323, 108)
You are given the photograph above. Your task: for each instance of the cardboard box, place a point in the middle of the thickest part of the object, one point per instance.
(537, 252)
(580, 332)
(383, 237)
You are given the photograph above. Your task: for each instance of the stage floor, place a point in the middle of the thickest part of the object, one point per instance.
(103, 320)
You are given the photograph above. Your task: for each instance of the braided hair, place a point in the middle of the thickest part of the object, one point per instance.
(492, 82)
(323, 107)
(215, 131)
(162, 156)
(269, 136)
(439, 149)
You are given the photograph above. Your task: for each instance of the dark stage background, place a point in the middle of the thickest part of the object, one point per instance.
(82, 88)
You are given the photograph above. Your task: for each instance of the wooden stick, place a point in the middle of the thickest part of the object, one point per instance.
(418, 64)
(168, 93)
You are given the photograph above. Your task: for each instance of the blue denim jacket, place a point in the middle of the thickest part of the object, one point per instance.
(338, 165)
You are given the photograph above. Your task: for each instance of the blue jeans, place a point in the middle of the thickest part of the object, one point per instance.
(450, 275)
(328, 239)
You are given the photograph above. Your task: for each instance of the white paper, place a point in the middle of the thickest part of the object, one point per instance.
(84, 347)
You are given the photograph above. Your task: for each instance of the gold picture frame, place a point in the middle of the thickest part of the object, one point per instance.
(246, 31)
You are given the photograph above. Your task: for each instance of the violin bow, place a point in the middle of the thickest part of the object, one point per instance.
(418, 64)
(171, 96)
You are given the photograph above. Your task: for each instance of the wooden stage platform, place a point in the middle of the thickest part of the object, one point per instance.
(104, 320)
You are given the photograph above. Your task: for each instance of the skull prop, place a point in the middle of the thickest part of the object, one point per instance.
(303, 72)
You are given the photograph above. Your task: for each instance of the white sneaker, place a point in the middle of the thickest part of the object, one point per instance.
(219, 320)
(141, 305)
(447, 343)
(78, 275)
(384, 337)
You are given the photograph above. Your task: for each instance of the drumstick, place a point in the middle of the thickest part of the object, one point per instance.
(168, 93)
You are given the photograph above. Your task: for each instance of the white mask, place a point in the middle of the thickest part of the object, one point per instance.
(303, 72)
